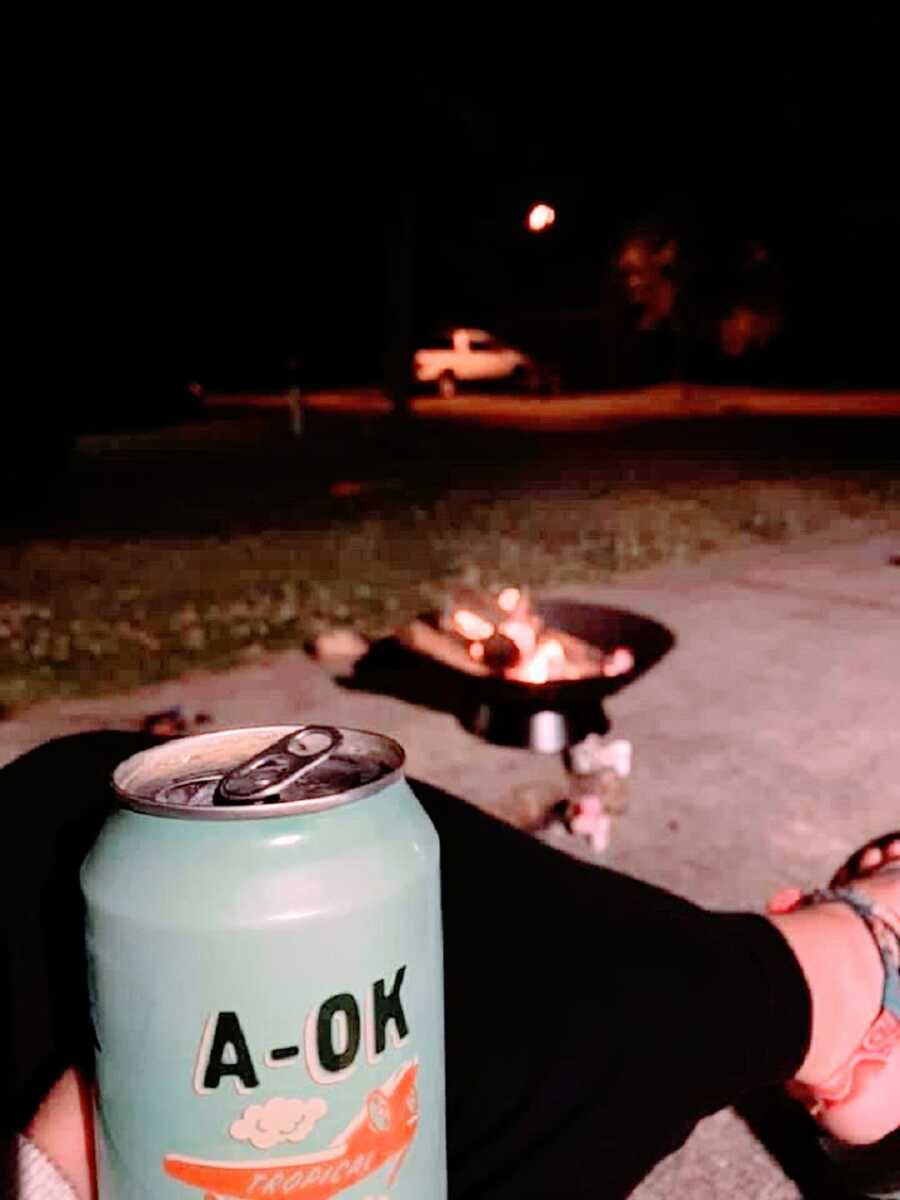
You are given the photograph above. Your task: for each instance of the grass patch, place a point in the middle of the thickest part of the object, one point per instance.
(79, 617)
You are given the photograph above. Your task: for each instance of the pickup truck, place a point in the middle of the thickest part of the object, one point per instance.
(471, 356)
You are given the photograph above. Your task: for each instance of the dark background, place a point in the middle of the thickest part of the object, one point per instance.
(193, 209)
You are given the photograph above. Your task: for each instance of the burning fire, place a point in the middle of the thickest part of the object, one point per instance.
(548, 661)
(507, 636)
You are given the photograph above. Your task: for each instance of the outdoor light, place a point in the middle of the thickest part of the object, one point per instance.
(540, 217)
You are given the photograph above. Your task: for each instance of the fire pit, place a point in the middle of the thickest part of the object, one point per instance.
(547, 716)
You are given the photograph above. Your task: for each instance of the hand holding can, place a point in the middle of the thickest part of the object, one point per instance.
(264, 946)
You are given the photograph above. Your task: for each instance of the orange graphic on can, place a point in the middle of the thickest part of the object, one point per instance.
(382, 1130)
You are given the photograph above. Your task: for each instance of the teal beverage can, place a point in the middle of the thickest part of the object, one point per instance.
(265, 972)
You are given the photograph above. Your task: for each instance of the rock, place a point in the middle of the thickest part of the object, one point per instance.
(531, 805)
(339, 650)
(168, 723)
(172, 722)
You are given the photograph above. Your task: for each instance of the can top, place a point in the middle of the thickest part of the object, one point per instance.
(266, 771)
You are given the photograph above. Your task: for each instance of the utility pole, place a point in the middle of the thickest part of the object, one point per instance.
(398, 309)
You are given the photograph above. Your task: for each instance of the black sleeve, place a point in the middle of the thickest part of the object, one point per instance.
(54, 800)
(592, 1018)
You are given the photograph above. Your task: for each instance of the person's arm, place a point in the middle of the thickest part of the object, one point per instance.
(55, 1159)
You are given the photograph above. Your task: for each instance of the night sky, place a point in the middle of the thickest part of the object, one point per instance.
(210, 212)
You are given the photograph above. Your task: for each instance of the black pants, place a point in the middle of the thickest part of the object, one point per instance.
(591, 1019)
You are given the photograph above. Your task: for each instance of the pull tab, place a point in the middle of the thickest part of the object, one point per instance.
(263, 778)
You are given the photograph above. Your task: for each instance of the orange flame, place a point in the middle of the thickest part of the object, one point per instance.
(547, 655)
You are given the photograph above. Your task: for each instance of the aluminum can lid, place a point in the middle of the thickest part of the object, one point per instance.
(270, 771)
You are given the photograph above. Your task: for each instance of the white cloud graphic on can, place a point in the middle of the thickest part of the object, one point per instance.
(277, 1121)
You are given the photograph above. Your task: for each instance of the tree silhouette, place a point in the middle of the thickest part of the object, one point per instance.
(717, 295)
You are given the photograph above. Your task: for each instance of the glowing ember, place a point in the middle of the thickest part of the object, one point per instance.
(509, 599)
(471, 626)
(476, 650)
